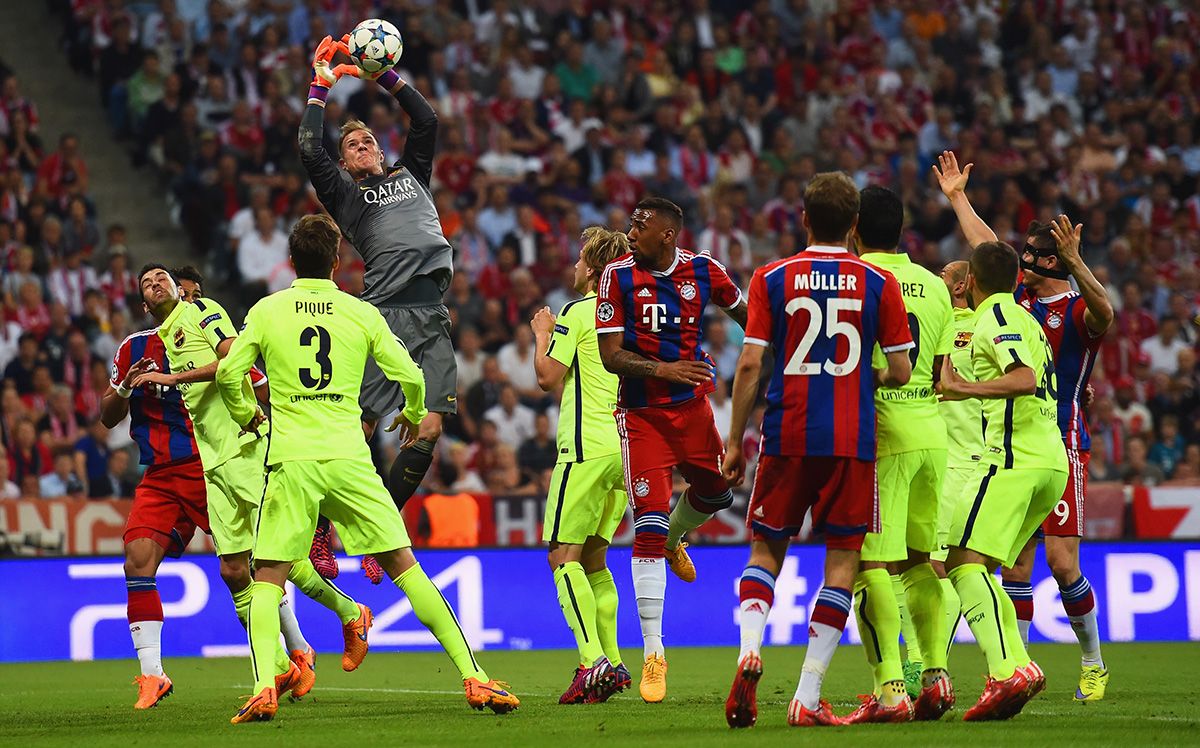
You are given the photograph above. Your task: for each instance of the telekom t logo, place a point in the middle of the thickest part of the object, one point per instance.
(653, 315)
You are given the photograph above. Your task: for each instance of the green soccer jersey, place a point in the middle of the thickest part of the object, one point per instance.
(191, 334)
(314, 340)
(586, 427)
(964, 418)
(1021, 432)
(907, 417)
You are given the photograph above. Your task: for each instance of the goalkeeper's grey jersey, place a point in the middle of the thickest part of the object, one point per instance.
(390, 219)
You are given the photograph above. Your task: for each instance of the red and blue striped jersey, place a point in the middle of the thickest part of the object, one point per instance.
(1075, 349)
(823, 311)
(158, 420)
(661, 317)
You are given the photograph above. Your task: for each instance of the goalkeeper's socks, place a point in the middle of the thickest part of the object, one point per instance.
(923, 593)
(1021, 594)
(951, 611)
(408, 470)
(579, 608)
(693, 510)
(650, 586)
(879, 625)
(756, 595)
(604, 590)
(435, 613)
(980, 604)
(825, 627)
(912, 650)
(1080, 604)
(263, 625)
(319, 589)
(293, 637)
(144, 611)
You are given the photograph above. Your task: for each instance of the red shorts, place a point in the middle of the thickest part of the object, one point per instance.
(1066, 521)
(655, 440)
(169, 505)
(840, 491)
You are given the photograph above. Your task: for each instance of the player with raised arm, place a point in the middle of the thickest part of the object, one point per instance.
(822, 312)
(650, 323)
(388, 214)
(910, 464)
(316, 340)
(1075, 324)
(587, 499)
(195, 337)
(1018, 481)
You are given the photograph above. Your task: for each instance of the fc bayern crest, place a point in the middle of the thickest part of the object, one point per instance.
(1054, 321)
(687, 291)
(641, 488)
(604, 312)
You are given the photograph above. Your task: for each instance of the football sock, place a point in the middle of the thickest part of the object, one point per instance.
(825, 627)
(1080, 604)
(756, 592)
(879, 625)
(408, 470)
(579, 608)
(320, 590)
(923, 590)
(1013, 640)
(691, 511)
(436, 614)
(912, 649)
(951, 610)
(981, 605)
(1021, 594)
(241, 604)
(604, 590)
(144, 611)
(650, 586)
(293, 637)
(263, 625)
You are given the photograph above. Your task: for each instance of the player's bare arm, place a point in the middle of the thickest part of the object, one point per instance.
(745, 391)
(550, 372)
(897, 372)
(738, 313)
(626, 363)
(114, 404)
(206, 373)
(1018, 380)
(954, 184)
(1099, 314)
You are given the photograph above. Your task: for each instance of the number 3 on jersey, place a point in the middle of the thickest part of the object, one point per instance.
(320, 336)
(828, 317)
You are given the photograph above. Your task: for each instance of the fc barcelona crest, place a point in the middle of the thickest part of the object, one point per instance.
(962, 339)
(179, 337)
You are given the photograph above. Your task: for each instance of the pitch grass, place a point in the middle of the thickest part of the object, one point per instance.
(415, 700)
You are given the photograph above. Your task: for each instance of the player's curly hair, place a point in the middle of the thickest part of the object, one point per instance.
(601, 246)
(313, 246)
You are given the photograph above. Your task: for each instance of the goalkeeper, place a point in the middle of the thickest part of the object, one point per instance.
(387, 213)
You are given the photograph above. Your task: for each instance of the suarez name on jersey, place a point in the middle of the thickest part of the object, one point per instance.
(661, 317)
(158, 421)
(1075, 349)
(823, 311)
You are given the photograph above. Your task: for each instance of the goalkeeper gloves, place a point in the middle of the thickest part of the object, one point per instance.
(325, 74)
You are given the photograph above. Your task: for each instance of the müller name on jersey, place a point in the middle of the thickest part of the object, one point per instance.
(814, 281)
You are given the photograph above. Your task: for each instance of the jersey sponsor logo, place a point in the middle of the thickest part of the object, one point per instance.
(209, 319)
(687, 291)
(605, 312)
(1008, 337)
(653, 315)
(561, 329)
(1053, 321)
(329, 396)
(641, 488)
(388, 193)
(179, 337)
(962, 339)
(644, 293)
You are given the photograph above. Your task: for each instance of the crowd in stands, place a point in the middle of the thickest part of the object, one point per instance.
(560, 114)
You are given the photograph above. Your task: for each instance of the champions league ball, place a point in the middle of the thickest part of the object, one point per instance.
(375, 45)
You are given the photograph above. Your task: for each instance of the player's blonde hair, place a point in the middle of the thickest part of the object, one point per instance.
(601, 246)
(352, 125)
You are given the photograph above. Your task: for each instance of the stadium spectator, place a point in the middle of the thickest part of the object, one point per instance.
(8, 489)
(62, 481)
(514, 421)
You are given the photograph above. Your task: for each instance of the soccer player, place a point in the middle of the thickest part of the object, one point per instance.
(1019, 480)
(910, 464)
(388, 214)
(649, 319)
(195, 336)
(316, 340)
(587, 499)
(1075, 324)
(822, 312)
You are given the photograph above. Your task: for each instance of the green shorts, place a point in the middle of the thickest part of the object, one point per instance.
(586, 498)
(349, 492)
(952, 490)
(909, 486)
(1000, 509)
(235, 490)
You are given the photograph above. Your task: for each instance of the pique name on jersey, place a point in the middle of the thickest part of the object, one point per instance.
(314, 308)
(387, 193)
(814, 281)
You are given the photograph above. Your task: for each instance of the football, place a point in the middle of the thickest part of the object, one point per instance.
(375, 45)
